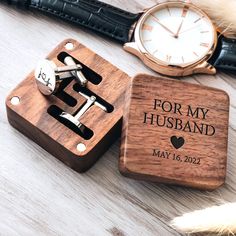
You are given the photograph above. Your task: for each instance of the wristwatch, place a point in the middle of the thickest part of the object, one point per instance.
(174, 38)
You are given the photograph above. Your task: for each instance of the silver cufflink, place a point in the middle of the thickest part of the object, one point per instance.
(48, 76)
(91, 100)
(76, 73)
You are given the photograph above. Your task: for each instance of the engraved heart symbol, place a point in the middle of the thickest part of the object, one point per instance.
(177, 142)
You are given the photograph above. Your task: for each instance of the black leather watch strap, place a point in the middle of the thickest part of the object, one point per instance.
(225, 54)
(98, 16)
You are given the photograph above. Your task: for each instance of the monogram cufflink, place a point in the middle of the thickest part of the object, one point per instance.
(48, 76)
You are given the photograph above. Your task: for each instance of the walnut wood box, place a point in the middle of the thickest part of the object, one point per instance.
(34, 115)
(175, 132)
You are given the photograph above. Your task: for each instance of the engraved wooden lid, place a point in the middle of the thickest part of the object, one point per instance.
(175, 132)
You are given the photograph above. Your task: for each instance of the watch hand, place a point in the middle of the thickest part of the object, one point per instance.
(180, 26)
(166, 28)
(188, 29)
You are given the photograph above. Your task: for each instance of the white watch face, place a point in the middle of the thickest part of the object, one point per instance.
(177, 34)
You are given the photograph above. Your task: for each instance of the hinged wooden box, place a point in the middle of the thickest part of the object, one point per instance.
(175, 132)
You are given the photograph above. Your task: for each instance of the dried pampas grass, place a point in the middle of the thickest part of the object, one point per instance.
(218, 219)
(222, 12)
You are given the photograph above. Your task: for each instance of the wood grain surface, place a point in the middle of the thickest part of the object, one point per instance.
(175, 132)
(39, 195)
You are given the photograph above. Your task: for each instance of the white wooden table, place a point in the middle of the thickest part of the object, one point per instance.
(39, 195)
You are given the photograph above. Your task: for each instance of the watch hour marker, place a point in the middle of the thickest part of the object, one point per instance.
(184, 12)
(168, 58)
(147, 27)
(198, 19)
(204, 45)
(195, 54)
(182, 59)
(204, 31)
(147, 40)
(168, 9)
(155, 52)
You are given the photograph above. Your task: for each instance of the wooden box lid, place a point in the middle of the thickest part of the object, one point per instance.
(175, 132)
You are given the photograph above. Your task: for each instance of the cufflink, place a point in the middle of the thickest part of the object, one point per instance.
(48, 76)
(69, 61)
(91, 100)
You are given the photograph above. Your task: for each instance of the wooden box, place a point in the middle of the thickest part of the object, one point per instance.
(175, 132)
(36, 115)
